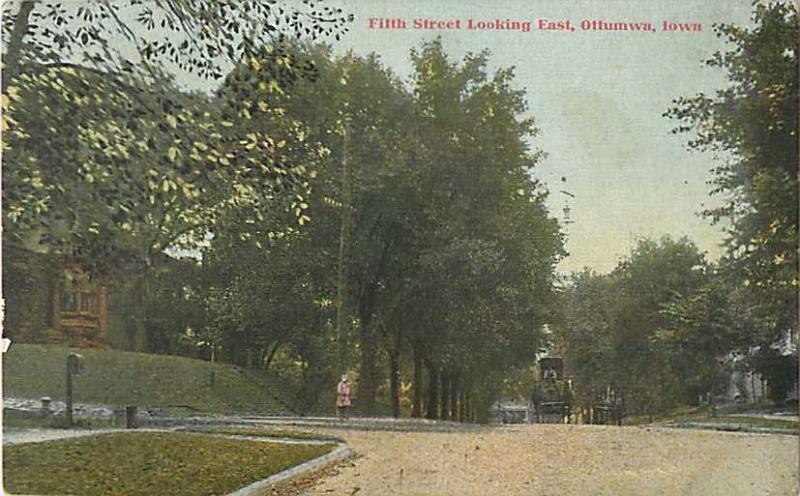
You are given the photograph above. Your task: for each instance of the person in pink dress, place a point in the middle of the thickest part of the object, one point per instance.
(343, 397)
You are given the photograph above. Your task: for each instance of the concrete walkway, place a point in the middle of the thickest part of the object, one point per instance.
(20, 436)
(364, 424)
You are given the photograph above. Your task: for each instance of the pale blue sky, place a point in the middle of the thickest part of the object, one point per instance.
(597, 98)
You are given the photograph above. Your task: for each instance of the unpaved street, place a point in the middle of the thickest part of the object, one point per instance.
(561, 460)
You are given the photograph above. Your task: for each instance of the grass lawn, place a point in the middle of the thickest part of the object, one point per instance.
(120, 378)
(751, 421)
(147, 463)
(703, 415)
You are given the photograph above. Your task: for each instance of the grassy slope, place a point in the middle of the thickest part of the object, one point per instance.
(147, 463)
(123, 378)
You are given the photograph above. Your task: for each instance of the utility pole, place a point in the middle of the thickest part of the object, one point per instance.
(344, 236)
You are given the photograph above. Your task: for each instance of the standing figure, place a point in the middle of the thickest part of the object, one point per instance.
(343, 397)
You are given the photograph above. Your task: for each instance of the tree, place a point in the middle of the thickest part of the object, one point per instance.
(352, 111)
(752, 124)
(655, 329)
(120, 115)
(488, 246)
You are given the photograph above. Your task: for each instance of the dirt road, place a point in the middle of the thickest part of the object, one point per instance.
(566, 459)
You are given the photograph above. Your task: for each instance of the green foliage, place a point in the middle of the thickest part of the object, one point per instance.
(779, 370)
(654, 329)
(112, 165)
(133, 168)
(487, 246)
(110, 159)
(419, 222)
(752, 125)
(147, 463)
(456, 264)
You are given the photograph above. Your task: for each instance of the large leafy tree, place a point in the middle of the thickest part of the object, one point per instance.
(352, 113)
(752, 124)
(655, 329)
(103, 150)
(489, 246)
(129, 170)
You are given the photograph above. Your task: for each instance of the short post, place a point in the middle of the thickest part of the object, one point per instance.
(74, 366)
(130, 417)
(45, 410)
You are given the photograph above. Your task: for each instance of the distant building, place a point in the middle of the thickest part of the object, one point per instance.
(746, 385)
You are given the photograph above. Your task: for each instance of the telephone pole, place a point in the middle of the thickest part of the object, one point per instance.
(344, 238)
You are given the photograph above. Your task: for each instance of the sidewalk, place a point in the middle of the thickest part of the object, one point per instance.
(19, 436)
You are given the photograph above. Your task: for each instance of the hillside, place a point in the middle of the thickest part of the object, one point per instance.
(119, 378)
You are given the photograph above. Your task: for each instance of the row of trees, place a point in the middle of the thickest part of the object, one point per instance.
(664, 326)
(429, 257)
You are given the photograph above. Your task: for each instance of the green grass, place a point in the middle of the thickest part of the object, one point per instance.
(147, 463)
(751, 421)
(119, 378)
(703, 415)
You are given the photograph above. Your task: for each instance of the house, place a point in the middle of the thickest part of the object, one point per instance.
(51, 299)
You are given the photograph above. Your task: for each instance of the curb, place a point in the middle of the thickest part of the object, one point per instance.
(341, 452)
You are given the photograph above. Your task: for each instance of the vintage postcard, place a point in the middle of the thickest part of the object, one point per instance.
(314, 247)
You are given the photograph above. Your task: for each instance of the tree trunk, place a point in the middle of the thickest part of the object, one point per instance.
(444, 403)
(366, 386)
(141, 289)
(416, 401)
(461, 401)
(433, 379)
(394, 377)
(15, 41)
(344, 240)
(270, 354)
(454, 396)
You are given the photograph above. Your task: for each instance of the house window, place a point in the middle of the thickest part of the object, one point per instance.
(77, 292)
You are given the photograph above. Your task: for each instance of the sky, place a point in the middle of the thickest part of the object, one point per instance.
(597, 98)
